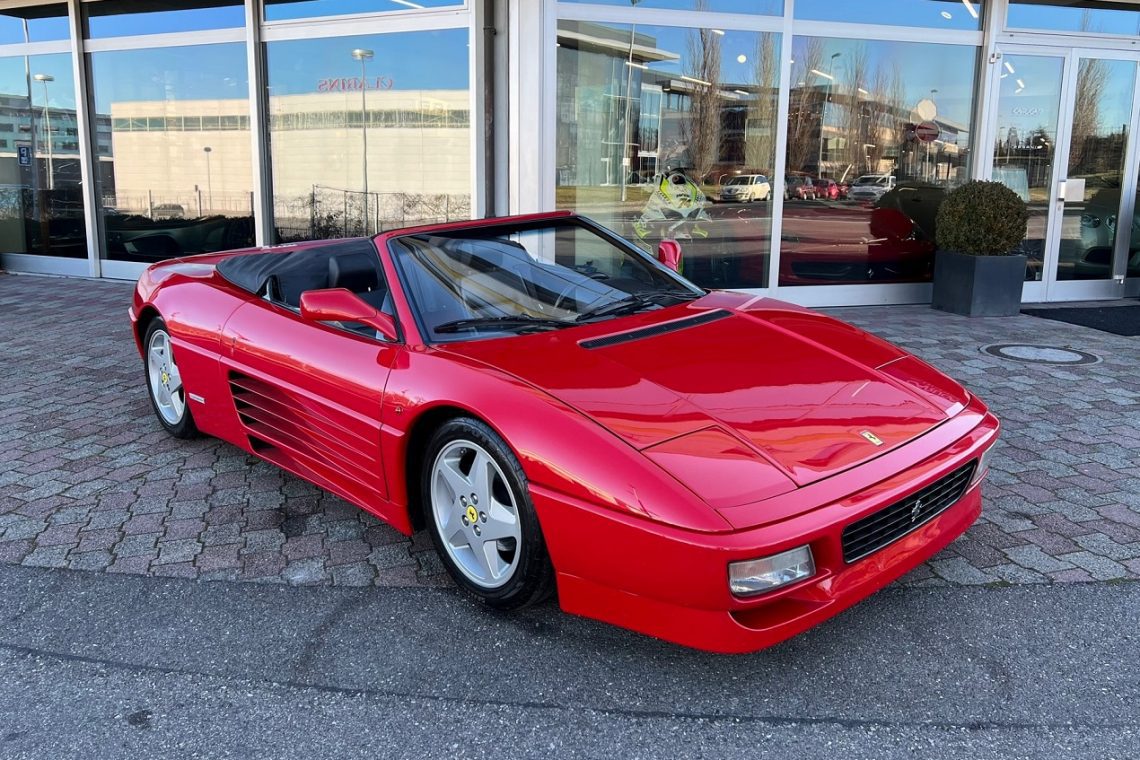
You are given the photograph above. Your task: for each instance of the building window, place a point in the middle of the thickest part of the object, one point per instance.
(167, 191)
(764, 7)
(1075, 16)
(368, 133)
(284, 10)
(41, 199)
(38, 23)
(878, 132)
(928, 14)
(656, 124)
(123, 18)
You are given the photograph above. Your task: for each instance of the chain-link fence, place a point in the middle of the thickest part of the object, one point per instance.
(187, 205)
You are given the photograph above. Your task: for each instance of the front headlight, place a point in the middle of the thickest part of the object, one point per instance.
(983, 464)
(756, 576)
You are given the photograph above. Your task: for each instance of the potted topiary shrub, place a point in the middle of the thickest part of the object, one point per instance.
(977, 270)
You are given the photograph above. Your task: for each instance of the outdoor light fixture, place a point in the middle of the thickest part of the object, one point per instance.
(970, 7)
(819, 73)
(757, 576)
(946, 15)
(637, 65)
(697, 81)
(408, 3)
(717, 31)
(1009, 67)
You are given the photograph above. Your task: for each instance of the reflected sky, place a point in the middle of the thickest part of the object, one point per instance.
(936, 14)
(1084, 17)
(763, 7)
(13, 29)
(61, 91)
(946, 69)
(280, 10)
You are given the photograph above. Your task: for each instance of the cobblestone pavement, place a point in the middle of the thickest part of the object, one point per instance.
(89, 481)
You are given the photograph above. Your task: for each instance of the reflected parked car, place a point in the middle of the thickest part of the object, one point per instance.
(826, 189)
(801, 187)
(1091, 256)
(871, 187)
(746, 188)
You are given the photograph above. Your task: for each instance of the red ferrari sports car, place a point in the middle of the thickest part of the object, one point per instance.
(565, 414)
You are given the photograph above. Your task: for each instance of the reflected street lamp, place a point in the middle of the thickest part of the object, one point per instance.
(363, 55)
(209, 179)
(45, 78)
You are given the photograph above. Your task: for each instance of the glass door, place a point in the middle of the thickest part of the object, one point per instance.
(1064, 125)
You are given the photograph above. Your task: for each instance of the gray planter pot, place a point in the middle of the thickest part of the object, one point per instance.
(978, 286)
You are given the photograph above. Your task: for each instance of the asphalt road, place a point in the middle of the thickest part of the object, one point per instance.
(102, 666)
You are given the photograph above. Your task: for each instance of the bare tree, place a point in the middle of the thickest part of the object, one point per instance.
(760, 127)
(1092, 78)
(803, 139)
(856, 122)
(702, 128)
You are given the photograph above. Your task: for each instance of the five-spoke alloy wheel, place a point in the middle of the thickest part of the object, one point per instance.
(164, 382)
(481, 517)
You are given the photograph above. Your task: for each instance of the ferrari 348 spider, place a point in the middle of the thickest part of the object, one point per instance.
(563, 413)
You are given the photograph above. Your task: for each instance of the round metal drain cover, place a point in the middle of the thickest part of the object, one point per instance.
(1021, 352)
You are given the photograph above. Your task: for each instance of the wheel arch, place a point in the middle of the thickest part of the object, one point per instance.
(415, 450)
(146, 315)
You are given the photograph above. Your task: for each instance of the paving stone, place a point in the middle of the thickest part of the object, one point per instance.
(960, 572)
(1033, 558)
(1100, 568)
(48, 556)
(177, 551)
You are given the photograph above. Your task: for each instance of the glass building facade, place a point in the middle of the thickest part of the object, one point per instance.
(796, 148)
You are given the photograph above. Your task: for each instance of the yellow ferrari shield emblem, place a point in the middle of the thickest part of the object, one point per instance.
(872, 437)
(472, 514)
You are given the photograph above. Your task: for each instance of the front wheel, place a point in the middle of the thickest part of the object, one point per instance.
(164, 382)
(481, 517)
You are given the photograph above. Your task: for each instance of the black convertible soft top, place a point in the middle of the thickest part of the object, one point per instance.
(285, 275)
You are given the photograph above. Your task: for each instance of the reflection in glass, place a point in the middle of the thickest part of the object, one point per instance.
(1089, 230)
(764, 7)
(282, 10)
(654, 123)
(1075, 16)
(41, 201)
(930, 14)
(877, 134)
(121, 18)
(39, 23)
(369, 133)
(1029, 102)
(175, 176)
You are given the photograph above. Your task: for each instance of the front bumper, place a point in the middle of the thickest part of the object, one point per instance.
(673, 584)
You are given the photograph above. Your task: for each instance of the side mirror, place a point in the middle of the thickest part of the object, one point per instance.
(342, 305)
(669, 254)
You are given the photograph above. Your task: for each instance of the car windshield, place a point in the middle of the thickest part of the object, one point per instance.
(869, 179)
(739, 181)
(485, 282)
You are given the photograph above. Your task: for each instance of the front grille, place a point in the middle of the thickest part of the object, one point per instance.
(891, 523)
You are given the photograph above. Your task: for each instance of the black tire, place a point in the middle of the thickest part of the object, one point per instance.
(532, 579)
(184, 426)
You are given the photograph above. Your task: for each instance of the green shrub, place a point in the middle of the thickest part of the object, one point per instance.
(982, 219)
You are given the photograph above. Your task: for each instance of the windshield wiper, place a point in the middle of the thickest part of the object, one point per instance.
(505, 322)
(637, 302)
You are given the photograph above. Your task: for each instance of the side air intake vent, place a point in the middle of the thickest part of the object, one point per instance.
(662, 329)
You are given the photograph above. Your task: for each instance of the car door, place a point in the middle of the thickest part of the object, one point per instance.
(309, 396)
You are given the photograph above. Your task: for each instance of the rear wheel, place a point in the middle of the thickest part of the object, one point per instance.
(164, 382)
(481, 517)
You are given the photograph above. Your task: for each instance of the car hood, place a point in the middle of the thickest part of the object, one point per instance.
(811, 395)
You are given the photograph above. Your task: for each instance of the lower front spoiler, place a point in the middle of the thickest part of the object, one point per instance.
(762, 625)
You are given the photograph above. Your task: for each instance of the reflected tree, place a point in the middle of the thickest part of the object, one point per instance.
(703, 125)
